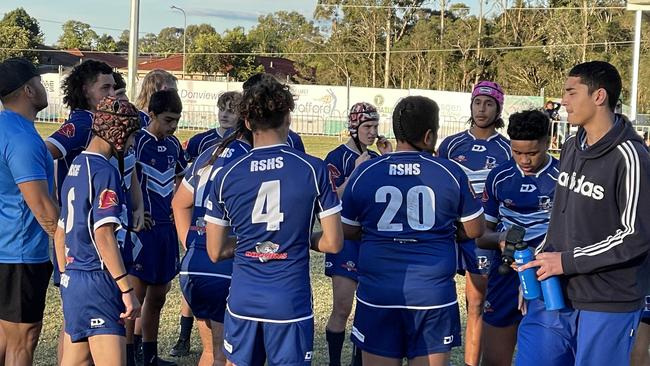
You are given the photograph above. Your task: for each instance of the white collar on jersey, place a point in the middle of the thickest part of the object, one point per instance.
(496, 134)
(152, 135)
(268, 146)
(94, 153)
(548, 164)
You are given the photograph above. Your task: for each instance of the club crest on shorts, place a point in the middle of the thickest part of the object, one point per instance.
(68, 130)
(107, 199)
(266, 251)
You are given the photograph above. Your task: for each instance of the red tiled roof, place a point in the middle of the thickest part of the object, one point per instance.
(171, 63)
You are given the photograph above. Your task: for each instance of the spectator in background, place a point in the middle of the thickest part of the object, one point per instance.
(120, 86)
(28, 213)
(552, 109)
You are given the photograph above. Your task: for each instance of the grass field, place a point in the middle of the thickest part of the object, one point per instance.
(318, 146)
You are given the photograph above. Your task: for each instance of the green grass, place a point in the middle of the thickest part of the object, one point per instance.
(315, 145)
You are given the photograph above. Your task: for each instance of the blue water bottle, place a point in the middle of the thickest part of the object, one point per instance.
(552, 293)
(529, 285)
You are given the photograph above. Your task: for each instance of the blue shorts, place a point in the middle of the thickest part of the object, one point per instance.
(474, 259)
(126, 240)
(399, 333)
(575, 337)
(344, 263)
(249, 342)
(500, 308)
(206, 295)
(155, 255)
(92, 304)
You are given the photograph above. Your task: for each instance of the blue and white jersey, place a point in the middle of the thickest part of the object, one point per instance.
(144, 118)
(511, 197)
(476, 157)
(407, 204)
(198, 180)
(159, 163)
(294, 140)
(270, 197)
(200, 142)
(341, 162)
(93, 196)
(71, 139)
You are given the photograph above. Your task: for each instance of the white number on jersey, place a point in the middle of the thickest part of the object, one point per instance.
(69, 221)
(420, 216)
(268, 197)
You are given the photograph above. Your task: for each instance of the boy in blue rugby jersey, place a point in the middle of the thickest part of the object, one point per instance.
(269, 199)
(407, 204)
(95, 289)
(518, 192)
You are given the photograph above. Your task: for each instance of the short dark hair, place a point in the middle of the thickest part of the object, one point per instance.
(413, 116)
(165, 101)
(600, 74)
(265, 102)
(82, 74)
(231, 98)
(529, 125)
(119, 80)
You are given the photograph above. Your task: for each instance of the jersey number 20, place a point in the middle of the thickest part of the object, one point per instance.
(420, 208)
(267, 206)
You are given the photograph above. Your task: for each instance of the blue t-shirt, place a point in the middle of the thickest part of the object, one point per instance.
(198, 180)
(476, 157)
(24, 158)
(270, 197)
(407, 204)
(159, 163)
(294, 140)
(71, 139)
(511, 197)
(341, 162)
(198, 143)
(93, 196)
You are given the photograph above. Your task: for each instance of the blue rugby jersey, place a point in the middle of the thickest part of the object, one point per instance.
(198, 180)
(92, 196)
(476, 157)
(71, 139)
(159, 163)
(200, 142)
(270, 198)
(511, 197)
(294, 140)
(340, 163)
(407, 204)
(144, 118)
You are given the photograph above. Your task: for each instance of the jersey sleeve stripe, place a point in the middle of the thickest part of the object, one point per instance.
(187, 185)
(216, 221)
(108, 220)
(58, 145)
(350, 222)
(472, 216)
(491, 218)
(628, 218)
(331, 211)
(60, 224)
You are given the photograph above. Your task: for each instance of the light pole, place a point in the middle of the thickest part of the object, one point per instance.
(184, 34)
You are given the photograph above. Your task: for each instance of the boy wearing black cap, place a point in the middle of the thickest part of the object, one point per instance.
(28, 213)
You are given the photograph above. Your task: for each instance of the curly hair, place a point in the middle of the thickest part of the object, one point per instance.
(529, 125)
(81, 75)
(266, 103)
(413, 116)
(120, 83)
(228, 99)
(154, 81)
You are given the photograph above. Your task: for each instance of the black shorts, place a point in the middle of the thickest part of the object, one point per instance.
(22, 291)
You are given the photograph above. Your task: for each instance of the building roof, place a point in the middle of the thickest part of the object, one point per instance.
(69, 58)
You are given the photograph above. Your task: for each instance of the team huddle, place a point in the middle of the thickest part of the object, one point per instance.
(396, 226)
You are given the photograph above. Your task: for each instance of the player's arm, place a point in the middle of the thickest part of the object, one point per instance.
(491, 239)
(475, 227)
(54, 151)
(108, 249)
(137, 203)
(330, 240)
(182, 206)
(37, 197)
(59, 247)
(218, 243)
(351, 232)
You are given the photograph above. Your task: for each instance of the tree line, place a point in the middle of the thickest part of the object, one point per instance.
(527, 46)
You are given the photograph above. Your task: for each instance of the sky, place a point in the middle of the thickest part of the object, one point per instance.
(113, 16)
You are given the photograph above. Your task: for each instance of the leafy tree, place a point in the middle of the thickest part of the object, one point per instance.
(106, 43)
(19, 31)
(14, 37)
(79, 35)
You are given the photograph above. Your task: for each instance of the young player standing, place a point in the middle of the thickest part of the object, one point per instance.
(407, 205)
(228, 118)
(363, 121)
(518, 192)
(597, 241)
(95, 289)
(477, 151)
(160, 167)
(269, 198)
(204, 284)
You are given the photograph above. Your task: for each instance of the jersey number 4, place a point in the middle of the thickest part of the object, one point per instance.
(267, 206)
(420, 208)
